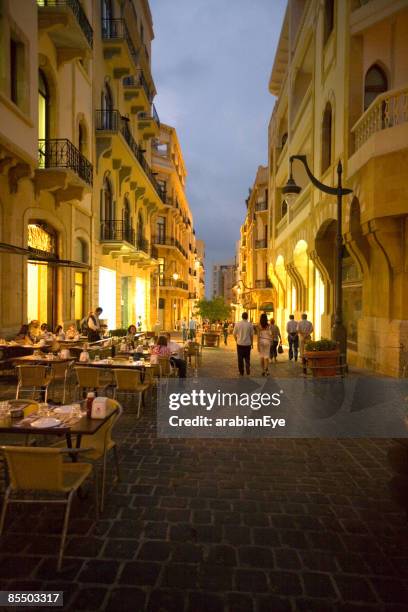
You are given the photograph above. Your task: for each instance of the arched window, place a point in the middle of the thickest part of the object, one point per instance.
(43, 106)
(107, 211)
(327, 137)
(107, 116)
(81, 251)
(140, 227)
(82, 140)
(328, 19)
(375, 83)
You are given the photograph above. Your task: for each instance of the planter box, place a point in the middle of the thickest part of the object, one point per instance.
(210, 339)
(322, 363)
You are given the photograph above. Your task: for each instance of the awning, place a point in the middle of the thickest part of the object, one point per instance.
(267, 307)
(41, 257)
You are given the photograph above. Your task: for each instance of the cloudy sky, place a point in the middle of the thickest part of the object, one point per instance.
(211, 64)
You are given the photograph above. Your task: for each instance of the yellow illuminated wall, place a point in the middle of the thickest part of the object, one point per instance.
(37, 285)
(79, 295)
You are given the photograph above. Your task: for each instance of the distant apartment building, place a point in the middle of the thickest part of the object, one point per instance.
(224, 276)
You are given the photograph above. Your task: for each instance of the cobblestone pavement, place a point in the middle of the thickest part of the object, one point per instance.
(249, 525)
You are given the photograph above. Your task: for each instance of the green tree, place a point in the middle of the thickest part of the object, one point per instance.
(214, 310)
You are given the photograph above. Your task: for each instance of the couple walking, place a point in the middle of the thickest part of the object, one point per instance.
(269, 338)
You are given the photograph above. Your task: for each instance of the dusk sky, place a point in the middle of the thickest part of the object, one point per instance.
(211, 63)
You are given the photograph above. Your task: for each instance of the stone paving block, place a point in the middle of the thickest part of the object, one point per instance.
(221, 555)
(318, 585)
(89, 598)
(276, 604)
(318, 560)
(125, 599)
(180, 576)
(155, 550)
(354, 588)
(256, 556)
(285, 583)
(120, 549)
(253, 581)
(212, 578)
(99, 571)
(266, 537)
(236, 535)
(189, 553)
(140, 573)
(238, 602)
(204, 602)
(166, 601)
(390, 590)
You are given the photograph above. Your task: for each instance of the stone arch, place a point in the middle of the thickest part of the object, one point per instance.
(376, 81)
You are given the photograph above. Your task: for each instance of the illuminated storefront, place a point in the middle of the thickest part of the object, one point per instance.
(107, 295)
(40, 276)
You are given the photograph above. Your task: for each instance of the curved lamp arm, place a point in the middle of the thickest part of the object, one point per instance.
(325, 188)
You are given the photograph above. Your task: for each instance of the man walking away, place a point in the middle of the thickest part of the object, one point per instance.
(225, 330)
(293, 337)
(305, 329)
(244, 336)
(192, 328)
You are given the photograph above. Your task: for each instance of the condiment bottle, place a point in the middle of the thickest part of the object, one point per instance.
(89, 401)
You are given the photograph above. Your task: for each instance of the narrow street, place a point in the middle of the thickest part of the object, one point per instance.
(224, 525)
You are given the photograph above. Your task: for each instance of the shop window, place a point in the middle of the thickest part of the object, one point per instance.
(375, 83)
(79, 287)
(327, 137)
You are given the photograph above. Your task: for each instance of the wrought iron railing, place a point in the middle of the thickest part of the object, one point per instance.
(263, 283)
(138, 80)
(142, 245)
(61, 153)
(152, 115)
(117, 230)
(166, 241)
(261, 244)
(168, 281)
(260, 206)
(77, 10)
(116, 29)
(387, 110)
(112, 121)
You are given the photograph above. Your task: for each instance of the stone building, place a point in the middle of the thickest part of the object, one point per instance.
(255, 285)
(223, 279)
(78, 195)
(340, 77)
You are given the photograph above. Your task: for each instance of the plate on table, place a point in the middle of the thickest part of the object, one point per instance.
(63, 410)
(45, 423)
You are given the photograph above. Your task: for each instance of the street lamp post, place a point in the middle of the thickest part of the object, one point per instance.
(291, 191)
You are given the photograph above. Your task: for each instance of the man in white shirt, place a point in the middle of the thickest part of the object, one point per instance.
(244, 336)
(192, 327)
(305, 329)
(293, 337)
(176, 356)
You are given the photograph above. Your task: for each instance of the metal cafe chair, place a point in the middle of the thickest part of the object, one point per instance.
(39, 470)
(61, 372)
(90, 379)
(100, 444)
(129, 382)
(33, 378)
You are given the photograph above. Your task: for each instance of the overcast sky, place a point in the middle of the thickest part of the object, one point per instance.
(211, 64)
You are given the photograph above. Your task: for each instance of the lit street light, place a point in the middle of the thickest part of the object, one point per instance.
(291, 191)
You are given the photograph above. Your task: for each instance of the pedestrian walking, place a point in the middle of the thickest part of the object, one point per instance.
(264, 343)
(244, 336)
(305, 330)
(293, 337)
(184, 329)
(225, 331)
(276, 340)
(192, 328)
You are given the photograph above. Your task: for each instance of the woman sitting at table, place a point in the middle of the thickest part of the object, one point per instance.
(131, 335)
(34, 330)
(71, 333)
(161, 349)
(59, 333)
(45, 333)
(23, 336)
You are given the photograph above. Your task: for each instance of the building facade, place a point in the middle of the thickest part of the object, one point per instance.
(78, 196)
(340, 78)
(254, 283)
(223, 279)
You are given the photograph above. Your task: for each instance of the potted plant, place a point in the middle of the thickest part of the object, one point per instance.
(322, 357)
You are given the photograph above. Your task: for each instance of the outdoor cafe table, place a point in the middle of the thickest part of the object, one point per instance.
(116, 363)
(85, 426)
(41, 360)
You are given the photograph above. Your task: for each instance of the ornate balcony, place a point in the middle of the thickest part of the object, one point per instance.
(169, 242)
(118, 238)
(118, 47)
(386, 111)
(137, 93)
(170, 283)
(261, 206)
(149, 123)
(62, 169)
(261, 244)
(110, 122)
(264, 283)
(67, 26)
